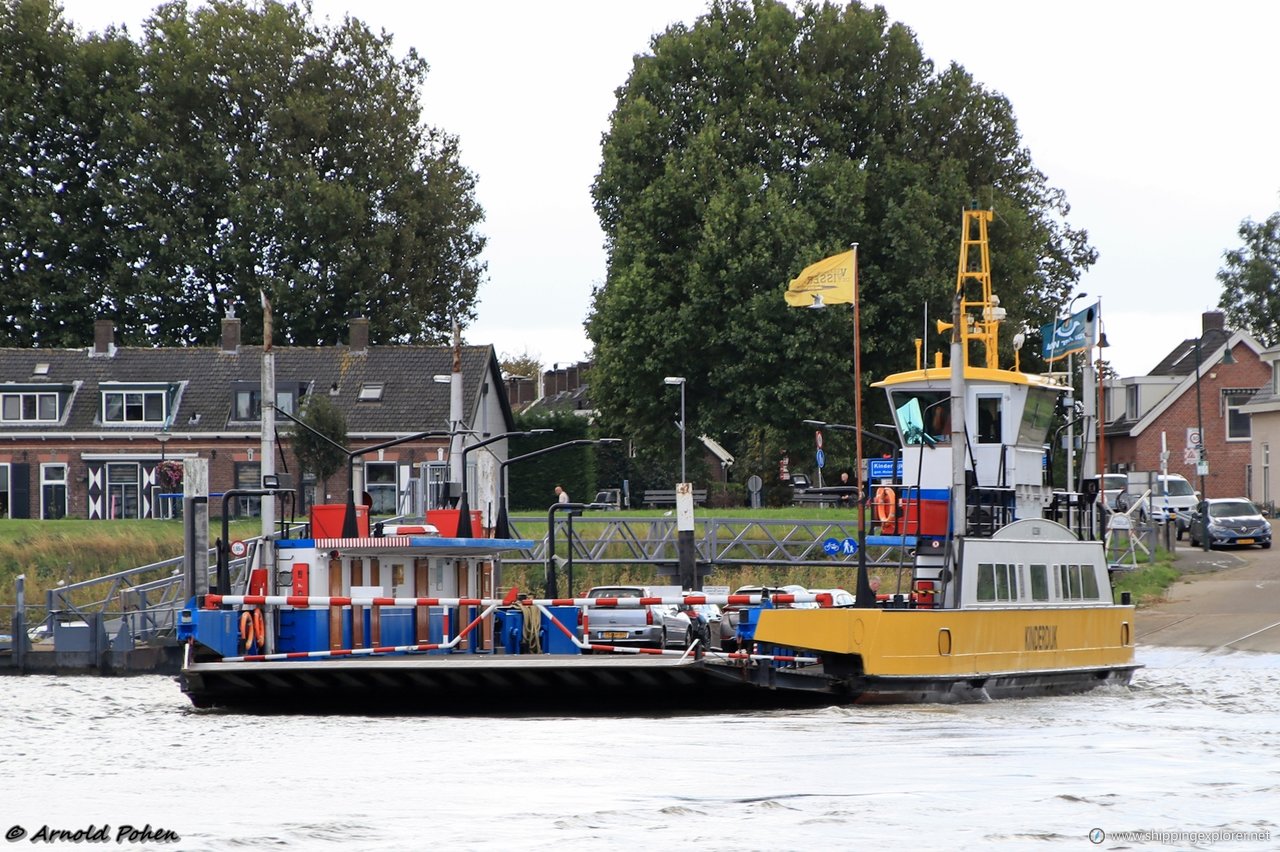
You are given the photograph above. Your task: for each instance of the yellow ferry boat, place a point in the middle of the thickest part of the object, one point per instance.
(1004, 600)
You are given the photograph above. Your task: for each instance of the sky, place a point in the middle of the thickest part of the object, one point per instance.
(1158, 121)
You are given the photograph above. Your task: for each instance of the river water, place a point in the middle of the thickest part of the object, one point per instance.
(1189, 754)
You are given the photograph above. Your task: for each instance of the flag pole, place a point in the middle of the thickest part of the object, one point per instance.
(864, 597)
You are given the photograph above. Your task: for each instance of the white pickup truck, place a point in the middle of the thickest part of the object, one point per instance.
(628, 625)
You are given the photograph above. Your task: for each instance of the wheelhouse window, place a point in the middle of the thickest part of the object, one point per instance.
(1037, 418)
(1039, 582)
(989, 426)
(30, 407)
(997, 582)
(1076, 582)
(924, 417)
(122, 406)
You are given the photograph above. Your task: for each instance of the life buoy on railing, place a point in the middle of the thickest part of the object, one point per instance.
(252, 628)
(885, 504)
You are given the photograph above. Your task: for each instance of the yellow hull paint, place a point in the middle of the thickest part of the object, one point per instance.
(936, 642)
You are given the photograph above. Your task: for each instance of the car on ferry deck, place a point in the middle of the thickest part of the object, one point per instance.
(732, 612)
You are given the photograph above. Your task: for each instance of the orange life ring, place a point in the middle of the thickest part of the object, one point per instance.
(252, 628)
(885, 505)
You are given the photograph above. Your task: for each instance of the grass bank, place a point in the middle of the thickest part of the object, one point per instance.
(72, 550)
(69, 551)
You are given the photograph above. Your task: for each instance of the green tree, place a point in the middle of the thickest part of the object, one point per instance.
(759, 140)
(524, 364)
(315, 454)
(234, 147)
(66, 125)
(1250, 278)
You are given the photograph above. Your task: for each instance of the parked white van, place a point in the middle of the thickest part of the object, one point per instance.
(1172, 498)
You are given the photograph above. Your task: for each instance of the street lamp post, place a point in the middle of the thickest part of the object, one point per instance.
(1201, 461)
(679, 380)
(501, 527)
(464, 509)
(162, 437)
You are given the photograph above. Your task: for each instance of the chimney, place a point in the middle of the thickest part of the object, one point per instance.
(104, 338)
(231, 334)
(359, 339)
(1213, 321)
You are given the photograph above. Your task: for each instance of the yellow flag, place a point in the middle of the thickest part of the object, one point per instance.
(827, 282)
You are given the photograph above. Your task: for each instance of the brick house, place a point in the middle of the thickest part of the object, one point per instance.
(1264, 416)
(1143, 409)
(82, 431)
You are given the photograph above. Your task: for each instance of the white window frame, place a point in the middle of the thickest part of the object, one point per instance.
(22, 397)
(1229, 409)
(287, 400)
(393, 486)
(125, 391)
(47, 481)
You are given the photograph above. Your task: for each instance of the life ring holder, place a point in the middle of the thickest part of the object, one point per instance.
(253, 628)
(885, 505)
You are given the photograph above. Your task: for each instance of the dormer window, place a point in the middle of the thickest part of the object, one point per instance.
(127, 405)
(246, 400)
(30, 406)
(371, 392)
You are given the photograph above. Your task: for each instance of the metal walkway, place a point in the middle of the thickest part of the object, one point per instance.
(718, 541)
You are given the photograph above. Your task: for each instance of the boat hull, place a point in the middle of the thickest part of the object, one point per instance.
(839, 685)
(485, 684)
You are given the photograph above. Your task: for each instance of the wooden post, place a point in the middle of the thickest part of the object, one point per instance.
(335, 612)
(375, 617)
(422, 587)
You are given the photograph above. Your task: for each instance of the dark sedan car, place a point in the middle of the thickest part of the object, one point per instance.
(1229, 521)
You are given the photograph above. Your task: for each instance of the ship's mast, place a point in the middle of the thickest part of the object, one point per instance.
(980, 309)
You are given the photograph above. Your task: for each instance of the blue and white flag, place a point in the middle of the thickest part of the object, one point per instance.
(1064, 337)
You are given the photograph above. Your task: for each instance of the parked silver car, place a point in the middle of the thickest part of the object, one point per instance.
(1229, 521)
(633, 625)
(683, 623)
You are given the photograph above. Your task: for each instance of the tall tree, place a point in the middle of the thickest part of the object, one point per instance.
(1250, 277)
(761, 139)
(234, 147)
(322, 453)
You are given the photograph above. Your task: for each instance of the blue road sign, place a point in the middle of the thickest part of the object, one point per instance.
(831, 546)
(884, 469)
(820, 457)
(849, 547)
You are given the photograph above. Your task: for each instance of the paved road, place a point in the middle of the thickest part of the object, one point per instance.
(1226, 599)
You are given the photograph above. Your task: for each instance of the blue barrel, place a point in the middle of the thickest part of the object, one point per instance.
(508, 628)
(553, 639)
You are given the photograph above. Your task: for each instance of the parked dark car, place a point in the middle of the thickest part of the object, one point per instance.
(1229, 521)
(607, 498)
